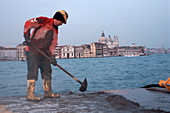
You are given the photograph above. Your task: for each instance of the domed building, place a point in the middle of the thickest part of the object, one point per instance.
(116, 41)
(110, 39)
(111, 43)
(103, 39)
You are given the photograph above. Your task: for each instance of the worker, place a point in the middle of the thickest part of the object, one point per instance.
(42, 32)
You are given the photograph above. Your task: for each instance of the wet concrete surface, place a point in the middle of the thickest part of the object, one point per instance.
(151, 98)
(113, 101)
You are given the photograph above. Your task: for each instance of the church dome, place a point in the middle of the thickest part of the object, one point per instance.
(103, 39)
(110, 39)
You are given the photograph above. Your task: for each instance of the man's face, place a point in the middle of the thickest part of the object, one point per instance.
(57, 22)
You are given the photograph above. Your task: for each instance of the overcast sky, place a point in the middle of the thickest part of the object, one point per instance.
(143, 22)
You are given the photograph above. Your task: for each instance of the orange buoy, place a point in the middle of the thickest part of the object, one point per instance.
(165, 84)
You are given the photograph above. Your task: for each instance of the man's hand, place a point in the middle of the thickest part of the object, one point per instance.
(27, 41)
(53, 60)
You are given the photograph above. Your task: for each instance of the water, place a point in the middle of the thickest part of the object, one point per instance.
(107, 73)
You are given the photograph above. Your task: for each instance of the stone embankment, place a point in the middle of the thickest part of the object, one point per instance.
(112, 101)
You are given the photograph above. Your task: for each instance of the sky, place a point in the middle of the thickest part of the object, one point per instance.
(143, 22)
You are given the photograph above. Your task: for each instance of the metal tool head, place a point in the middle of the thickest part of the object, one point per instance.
(83, 85)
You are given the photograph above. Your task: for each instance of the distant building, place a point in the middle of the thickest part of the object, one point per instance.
(111, 47)
(79, 52)
(68, 52)
(156, 50)
(21, 52)
(8, 53)
(116, 41)
(167, 51)
(111, 43)
(105, 47)
(58, 51)
(103, 39)
(105, 50)
(86, 50)
(97, 49)
(113, 51)
(130, 51)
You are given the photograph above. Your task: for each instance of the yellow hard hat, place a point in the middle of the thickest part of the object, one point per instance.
(61, 15)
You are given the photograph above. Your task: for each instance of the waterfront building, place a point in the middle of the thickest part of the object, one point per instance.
(86, 50)
(160, 50)
(167, 51)
(68, 51)
(156, 50)
(8, 53)
(105, 50)
(21, 52)
(97, 49)
(130, 51)
(79, 52)
(58, 52)
(112, 51)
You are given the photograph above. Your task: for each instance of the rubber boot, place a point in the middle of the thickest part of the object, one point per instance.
(47, 90)
(30, 91)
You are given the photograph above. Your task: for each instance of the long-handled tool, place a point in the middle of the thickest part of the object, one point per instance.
(84, 84)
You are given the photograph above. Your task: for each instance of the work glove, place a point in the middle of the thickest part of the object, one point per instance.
(53, 60)
(27, 41)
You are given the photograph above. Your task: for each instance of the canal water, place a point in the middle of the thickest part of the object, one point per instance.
(107, 73)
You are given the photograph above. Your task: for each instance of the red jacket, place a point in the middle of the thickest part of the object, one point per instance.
(44, 35)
